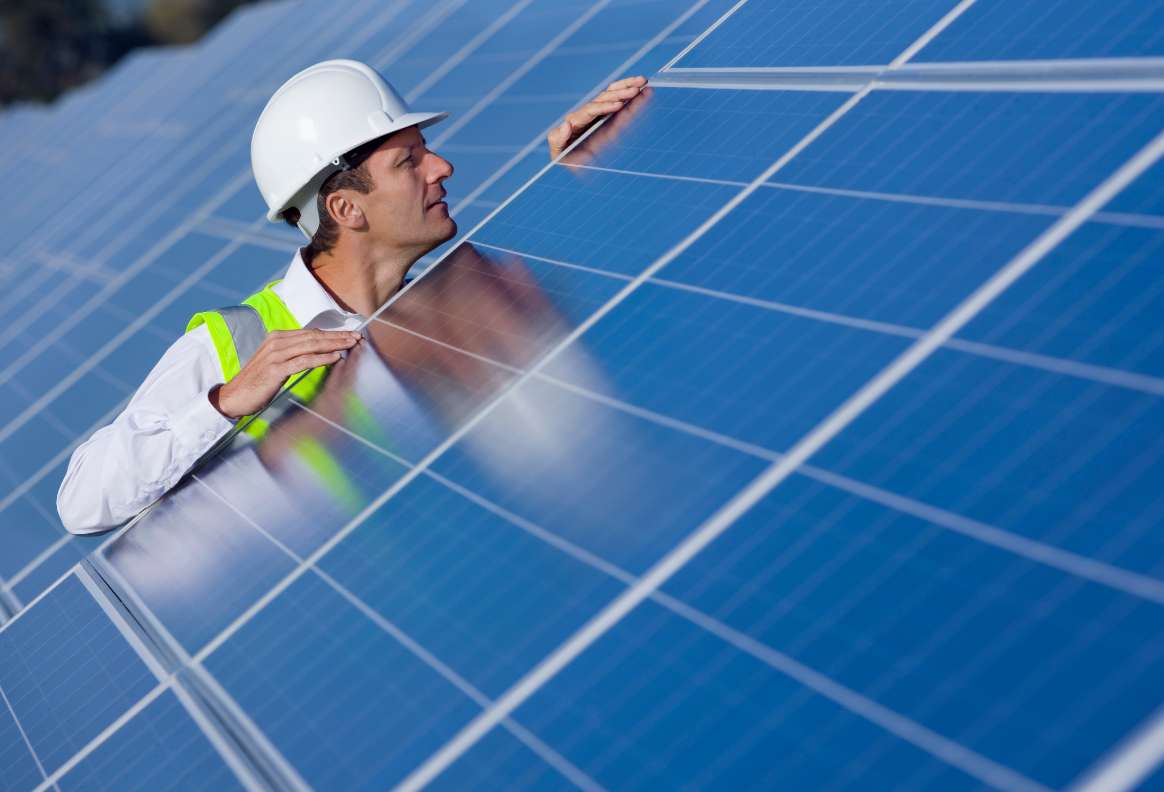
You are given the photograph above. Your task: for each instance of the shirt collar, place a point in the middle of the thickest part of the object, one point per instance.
(309, 302)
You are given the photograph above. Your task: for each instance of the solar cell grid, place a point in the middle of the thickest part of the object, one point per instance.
(1006, 31)
(815, 33)
(160, 748)
(968, 558)
(68, 672)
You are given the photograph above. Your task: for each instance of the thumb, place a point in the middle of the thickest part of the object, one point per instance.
(562, 133)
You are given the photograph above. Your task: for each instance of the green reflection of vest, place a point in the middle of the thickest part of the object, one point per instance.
(237, 331)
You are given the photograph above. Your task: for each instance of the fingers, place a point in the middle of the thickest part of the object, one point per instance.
(311, 341)
(588, 113)
(560, 136)
(637, 81)
(611, 100)
(300, 363)
(620, 95)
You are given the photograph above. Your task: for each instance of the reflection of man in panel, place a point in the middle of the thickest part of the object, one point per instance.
(337, 153)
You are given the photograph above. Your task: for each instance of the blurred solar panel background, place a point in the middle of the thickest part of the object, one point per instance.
(801, 428)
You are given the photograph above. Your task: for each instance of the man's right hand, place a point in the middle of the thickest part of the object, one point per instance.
(283, 354)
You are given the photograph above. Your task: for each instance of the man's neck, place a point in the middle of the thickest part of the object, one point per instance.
(360, 280)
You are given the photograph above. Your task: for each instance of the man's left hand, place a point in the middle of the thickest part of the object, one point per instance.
(611, 100)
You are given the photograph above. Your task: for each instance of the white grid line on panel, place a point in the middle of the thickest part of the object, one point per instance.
(118, 621)
(537, 140)
(456, 126)
(104, 735)
(269, 753)
(48, 590)
(1131, 219)
(1029, 86)
(1129, 763)
(835, 80)
(699, 39)
(366, 32)
(161, 176)
(23, 735)
(36, 478)
(416, 32)
(1148, 65)
(1129, 68)
(891, 721)
(545, 752)
(215, 228)
(464, 52)
(228, 755)
(1110, 218)
(931, 34)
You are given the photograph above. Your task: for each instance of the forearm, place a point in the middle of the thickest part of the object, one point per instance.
(129, 464)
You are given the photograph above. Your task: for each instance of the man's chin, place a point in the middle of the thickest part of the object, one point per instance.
(441, 234)
(450, 230)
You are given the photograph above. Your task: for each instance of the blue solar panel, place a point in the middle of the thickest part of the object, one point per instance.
(1034, 148)
(160, 748)
(1095, 302)
(613, 496)
(815, 33)
(20, 767)
(1030, 30)
(335, 692)
(68, 673)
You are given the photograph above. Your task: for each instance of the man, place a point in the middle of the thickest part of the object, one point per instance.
(337, 153)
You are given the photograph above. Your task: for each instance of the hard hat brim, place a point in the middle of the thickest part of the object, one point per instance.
(308, 191)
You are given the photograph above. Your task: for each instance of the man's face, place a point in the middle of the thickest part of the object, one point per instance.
(406, 207)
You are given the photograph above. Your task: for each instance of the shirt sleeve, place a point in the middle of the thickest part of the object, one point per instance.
(167, 425)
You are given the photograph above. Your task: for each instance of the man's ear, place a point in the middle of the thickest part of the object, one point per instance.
(344, 210)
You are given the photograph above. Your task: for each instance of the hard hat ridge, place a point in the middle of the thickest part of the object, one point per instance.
(311, 122)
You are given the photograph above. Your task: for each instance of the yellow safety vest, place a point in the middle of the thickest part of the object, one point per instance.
(236, 336)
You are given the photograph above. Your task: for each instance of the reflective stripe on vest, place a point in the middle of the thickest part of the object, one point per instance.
(237, 331)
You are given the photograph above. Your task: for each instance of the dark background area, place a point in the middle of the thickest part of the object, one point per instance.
(50, 46)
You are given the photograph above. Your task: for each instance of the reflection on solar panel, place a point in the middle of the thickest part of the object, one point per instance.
(802, 427)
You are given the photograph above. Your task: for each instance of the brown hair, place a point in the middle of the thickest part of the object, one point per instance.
(356, 177)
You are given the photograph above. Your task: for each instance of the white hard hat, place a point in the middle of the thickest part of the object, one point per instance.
(316, 117)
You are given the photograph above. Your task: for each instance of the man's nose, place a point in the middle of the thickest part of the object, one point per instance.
(441, 168)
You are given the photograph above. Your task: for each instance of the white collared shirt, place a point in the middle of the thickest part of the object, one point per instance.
(169, 423)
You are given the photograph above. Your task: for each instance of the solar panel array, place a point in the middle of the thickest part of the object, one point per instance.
(800, 427)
